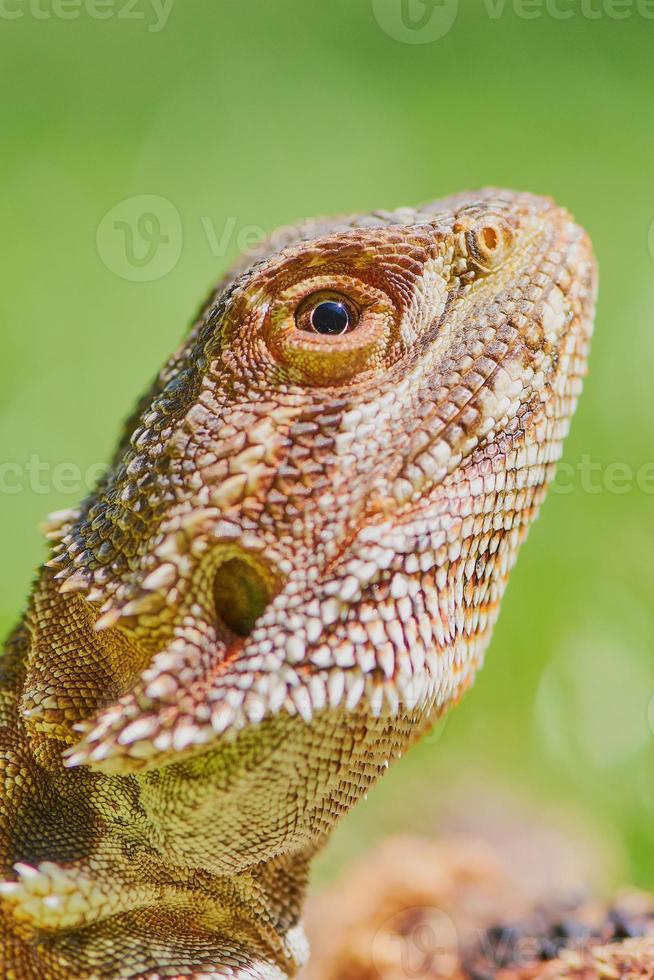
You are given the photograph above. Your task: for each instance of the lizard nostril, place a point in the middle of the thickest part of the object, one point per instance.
(489, 238)
(240, 595)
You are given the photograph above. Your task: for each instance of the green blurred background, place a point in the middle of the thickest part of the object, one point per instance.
(245, 114)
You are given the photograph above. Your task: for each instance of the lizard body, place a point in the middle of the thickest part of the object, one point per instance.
(291, 569)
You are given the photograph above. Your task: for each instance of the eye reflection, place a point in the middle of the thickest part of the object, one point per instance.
(330, 315)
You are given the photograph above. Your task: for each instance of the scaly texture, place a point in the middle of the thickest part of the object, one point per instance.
(291, 570)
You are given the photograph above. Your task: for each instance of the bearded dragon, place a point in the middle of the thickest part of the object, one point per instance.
(292, 567)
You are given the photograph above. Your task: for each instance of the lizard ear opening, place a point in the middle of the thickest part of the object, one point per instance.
(240, 595)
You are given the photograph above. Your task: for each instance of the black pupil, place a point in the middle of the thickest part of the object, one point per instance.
(330, 317)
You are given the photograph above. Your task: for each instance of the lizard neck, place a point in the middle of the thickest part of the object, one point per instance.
(127, 874)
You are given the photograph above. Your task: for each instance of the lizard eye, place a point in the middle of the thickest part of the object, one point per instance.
(328, 329)
(327, 314)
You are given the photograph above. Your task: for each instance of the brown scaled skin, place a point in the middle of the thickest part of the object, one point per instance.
(292, 568)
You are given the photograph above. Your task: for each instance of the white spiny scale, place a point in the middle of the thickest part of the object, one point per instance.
(417, 654)
(385, 557)
(350, 589)
(387, 610)
(357, 633)
(290, 676)
(314, 628)
(184, 734)
(230, 491)
(322, 656)
(355, 685)
(277, 694)
(399, 586)
(335, 686)
(344, 654)
(365, 656)
(367, 572)
(163, 741)
(254, 707)
(317, 692)
(423, 682)
(425, 629)
(289, 706)
(409, 688)
(351, 420)
(375, 630)
(239, 723)
(410, 630)
(271, 662)
(234, 697)
(386, 658)
(411, 564)
(77, 582)
(330, 611)
(426, 560)
(295, 649)
(107, 620)
(375, 698)
(168, 660)
(162, 577)
(392, 697)
(222, 715)
(38, 882)
(396, 634)
(403, 662)
(162, 688)
(139, 729)
(302, 701)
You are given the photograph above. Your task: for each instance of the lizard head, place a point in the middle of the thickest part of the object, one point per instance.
(305, 535)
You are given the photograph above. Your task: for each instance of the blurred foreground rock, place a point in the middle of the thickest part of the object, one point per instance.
(419, 909)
